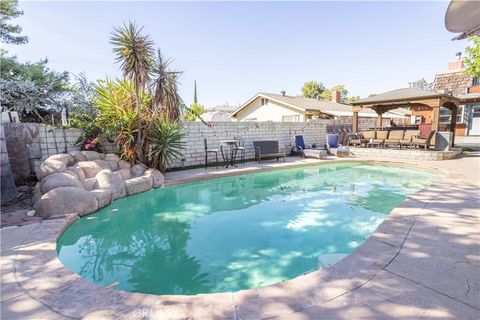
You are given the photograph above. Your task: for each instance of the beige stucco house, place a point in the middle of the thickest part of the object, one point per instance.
(285, 108)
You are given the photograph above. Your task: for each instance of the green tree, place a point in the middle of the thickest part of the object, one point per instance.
(193, 112)
(352, 99)
(421, 84)
(327, 93)
(472, 60)
(313, 89)
(10, 33)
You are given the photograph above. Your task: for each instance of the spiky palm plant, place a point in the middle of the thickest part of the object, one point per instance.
(134, 51)
(167, 143)
(165, 89)
(118, 116)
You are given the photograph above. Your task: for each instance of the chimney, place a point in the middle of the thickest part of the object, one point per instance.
(283, 92)
(455, 66)
(336, 97)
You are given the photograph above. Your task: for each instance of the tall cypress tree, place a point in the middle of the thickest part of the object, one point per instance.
(195, 92)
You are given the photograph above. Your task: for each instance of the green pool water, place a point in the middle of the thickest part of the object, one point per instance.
(235, 233)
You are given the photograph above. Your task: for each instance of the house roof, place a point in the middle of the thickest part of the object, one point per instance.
(399, 95)
(304, 104)
(456, 82)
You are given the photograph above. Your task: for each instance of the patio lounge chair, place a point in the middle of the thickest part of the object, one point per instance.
(422, 142)
(394, 138)
(357, 139)
(408, 136)
(308, 151)
(334, 147)
(265, 149)
(382, 135)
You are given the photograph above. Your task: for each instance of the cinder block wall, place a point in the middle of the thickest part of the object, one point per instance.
(57, 140)
(313, 132)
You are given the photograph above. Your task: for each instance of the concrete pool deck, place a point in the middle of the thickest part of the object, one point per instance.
(423, 262)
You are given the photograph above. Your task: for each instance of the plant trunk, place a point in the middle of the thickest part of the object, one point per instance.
(140, 133)
(8, 188)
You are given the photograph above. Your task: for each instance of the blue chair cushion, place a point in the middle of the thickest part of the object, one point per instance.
(299, 142)
(332, 140)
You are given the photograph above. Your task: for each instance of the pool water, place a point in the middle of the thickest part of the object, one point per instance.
(235, 233)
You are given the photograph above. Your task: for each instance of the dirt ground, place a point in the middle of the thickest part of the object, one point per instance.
(14, 213)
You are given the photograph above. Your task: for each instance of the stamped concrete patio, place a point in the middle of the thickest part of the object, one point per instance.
(423, 262)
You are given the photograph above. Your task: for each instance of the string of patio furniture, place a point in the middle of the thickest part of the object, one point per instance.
(391, 138)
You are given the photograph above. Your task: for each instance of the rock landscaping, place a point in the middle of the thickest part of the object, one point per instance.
(82, 182)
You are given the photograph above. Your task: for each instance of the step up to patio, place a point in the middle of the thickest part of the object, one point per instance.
(417, 154)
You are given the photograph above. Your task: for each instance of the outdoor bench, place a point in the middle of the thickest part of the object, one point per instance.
(264, 149)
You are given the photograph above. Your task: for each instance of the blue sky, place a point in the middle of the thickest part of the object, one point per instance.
(235, 49)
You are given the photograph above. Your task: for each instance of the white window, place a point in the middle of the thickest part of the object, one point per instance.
(446, 115)
(294, 118)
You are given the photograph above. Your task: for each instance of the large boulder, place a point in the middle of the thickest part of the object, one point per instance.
(92, 155)
(78, 171)
(59, 179)
(78, 156)
(104, 197)
(66, 200)
(63, 157)
(157, 177)
(107, 180)
(122, 164)
(90, 183)
(138, 184)
(124, 173)
(90, 168)
(138, 169)
(48, 167)
(103, 164)
(111, 157)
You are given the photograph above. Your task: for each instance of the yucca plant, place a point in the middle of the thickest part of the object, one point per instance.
(134, 51)
(118, 116)
(167, 143)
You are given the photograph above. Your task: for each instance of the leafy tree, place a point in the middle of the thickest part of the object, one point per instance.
(167, 141)
(313, 89)
(421, 84)
(472, 60)
(352, 99)
(34, 89)
(10, 33)
(327, 93)
(193, 112)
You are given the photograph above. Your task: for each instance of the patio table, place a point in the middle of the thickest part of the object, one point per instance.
(226, 158)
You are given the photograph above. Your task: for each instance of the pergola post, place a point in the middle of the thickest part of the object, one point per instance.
(435, 118)
(379, 120)
(355, 122)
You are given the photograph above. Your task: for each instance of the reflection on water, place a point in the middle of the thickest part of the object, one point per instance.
(235, 233)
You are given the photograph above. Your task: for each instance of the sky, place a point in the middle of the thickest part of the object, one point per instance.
(236, 49)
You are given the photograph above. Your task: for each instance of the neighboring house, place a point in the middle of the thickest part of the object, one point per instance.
(218, 113)
(465, 87)
(284, 108)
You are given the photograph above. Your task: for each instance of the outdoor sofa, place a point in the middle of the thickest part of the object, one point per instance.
(268, 149)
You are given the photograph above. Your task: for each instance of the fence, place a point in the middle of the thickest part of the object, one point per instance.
(30, 143)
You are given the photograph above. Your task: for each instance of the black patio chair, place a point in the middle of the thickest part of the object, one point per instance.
(207, 151)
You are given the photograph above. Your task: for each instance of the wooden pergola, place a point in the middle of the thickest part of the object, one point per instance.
(408, 98)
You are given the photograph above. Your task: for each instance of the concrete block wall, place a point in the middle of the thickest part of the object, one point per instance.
(57, 140)
(313, 132)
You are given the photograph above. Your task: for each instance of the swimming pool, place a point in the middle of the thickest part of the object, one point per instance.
(237, 232)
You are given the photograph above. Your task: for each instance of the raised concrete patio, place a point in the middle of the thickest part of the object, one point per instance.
(423, 262)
